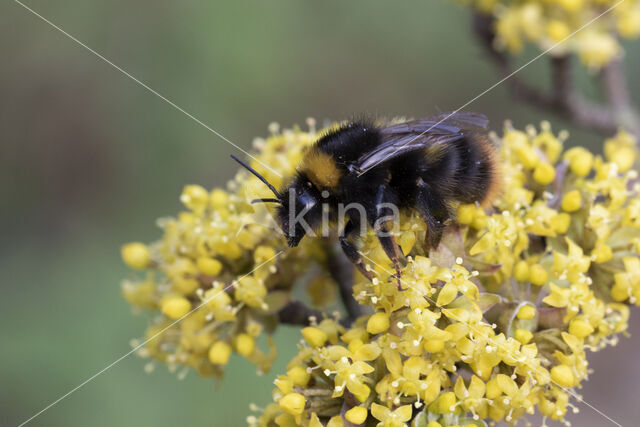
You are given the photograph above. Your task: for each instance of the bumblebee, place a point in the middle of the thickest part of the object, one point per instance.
(427, 165)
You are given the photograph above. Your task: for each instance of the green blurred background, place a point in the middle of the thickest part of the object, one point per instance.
(90, 159)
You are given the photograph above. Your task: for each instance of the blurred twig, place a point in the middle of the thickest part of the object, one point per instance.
(616, 91)
(341, 269)
(563, 99)
(297, 313)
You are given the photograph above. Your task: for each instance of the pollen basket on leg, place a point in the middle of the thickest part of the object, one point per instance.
(321, 169)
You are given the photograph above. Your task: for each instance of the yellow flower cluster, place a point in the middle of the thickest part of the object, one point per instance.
(547, 22)
(495, 322)
(220, 273)
(491, 325)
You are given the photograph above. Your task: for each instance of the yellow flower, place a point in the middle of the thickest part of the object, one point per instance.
(627, 284)
(466, 213)
(136, 255)
(602, 253)
(546, 141)
(292, 403)
(559, 297)
(621, 150)
(209, 266)
(526, 312)
(408, 358)
(571, 5)
(572, 266)
(219, 353)
(356, 415)
(557, 30)
(471, 397)
(544, 173)
(195, 197)
(521, 272)
(563, 375)
(314, 336)
(140, 294)
(389, 418)
(580, 328)
(457, 279)
(523, 335)
(538, 275)
(378, 323)
(250, 291)
(560, 223)
(629, 23)
(580, 160)
(571, 201)
(299, 375)
(548, 22)
(351, 376)
(175, 307)
(446, 402)
(245, 344)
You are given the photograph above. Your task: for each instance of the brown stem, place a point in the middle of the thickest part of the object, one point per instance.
(483, 27)
(572, 105)
(616, 91)
(341, 269)
(563, 99)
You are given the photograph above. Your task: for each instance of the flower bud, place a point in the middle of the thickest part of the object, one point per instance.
(219, 353)
(299, 376)
(580, 161)
(526, 312)
(602, 253)
(571, 201)
(523, 335)
(521, 271)
(314, 336)
(136, 255)
(563, 376)
(580, 328)
(560, 223)
(538, 275)
(446, 402)
(356, 415)
(466, 213)
(209, 266)
(544, 173)
(245, 344)
(434, 346)
(292, 403)
(175, 307)
(557, 30)
(378, 323)
(194, 197)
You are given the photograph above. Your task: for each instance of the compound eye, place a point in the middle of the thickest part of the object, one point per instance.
(307, 200)
(309, 184)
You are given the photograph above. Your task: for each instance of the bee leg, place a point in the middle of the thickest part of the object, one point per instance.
(383, 222)
(435, 212)
(392, 249)
(351, 251)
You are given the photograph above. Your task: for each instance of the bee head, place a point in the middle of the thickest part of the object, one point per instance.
(300, 208)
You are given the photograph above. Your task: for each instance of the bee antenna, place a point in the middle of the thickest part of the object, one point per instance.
(260, 177)
(267, 200)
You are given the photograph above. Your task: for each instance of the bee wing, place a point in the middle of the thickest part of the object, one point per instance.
(418, 134)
